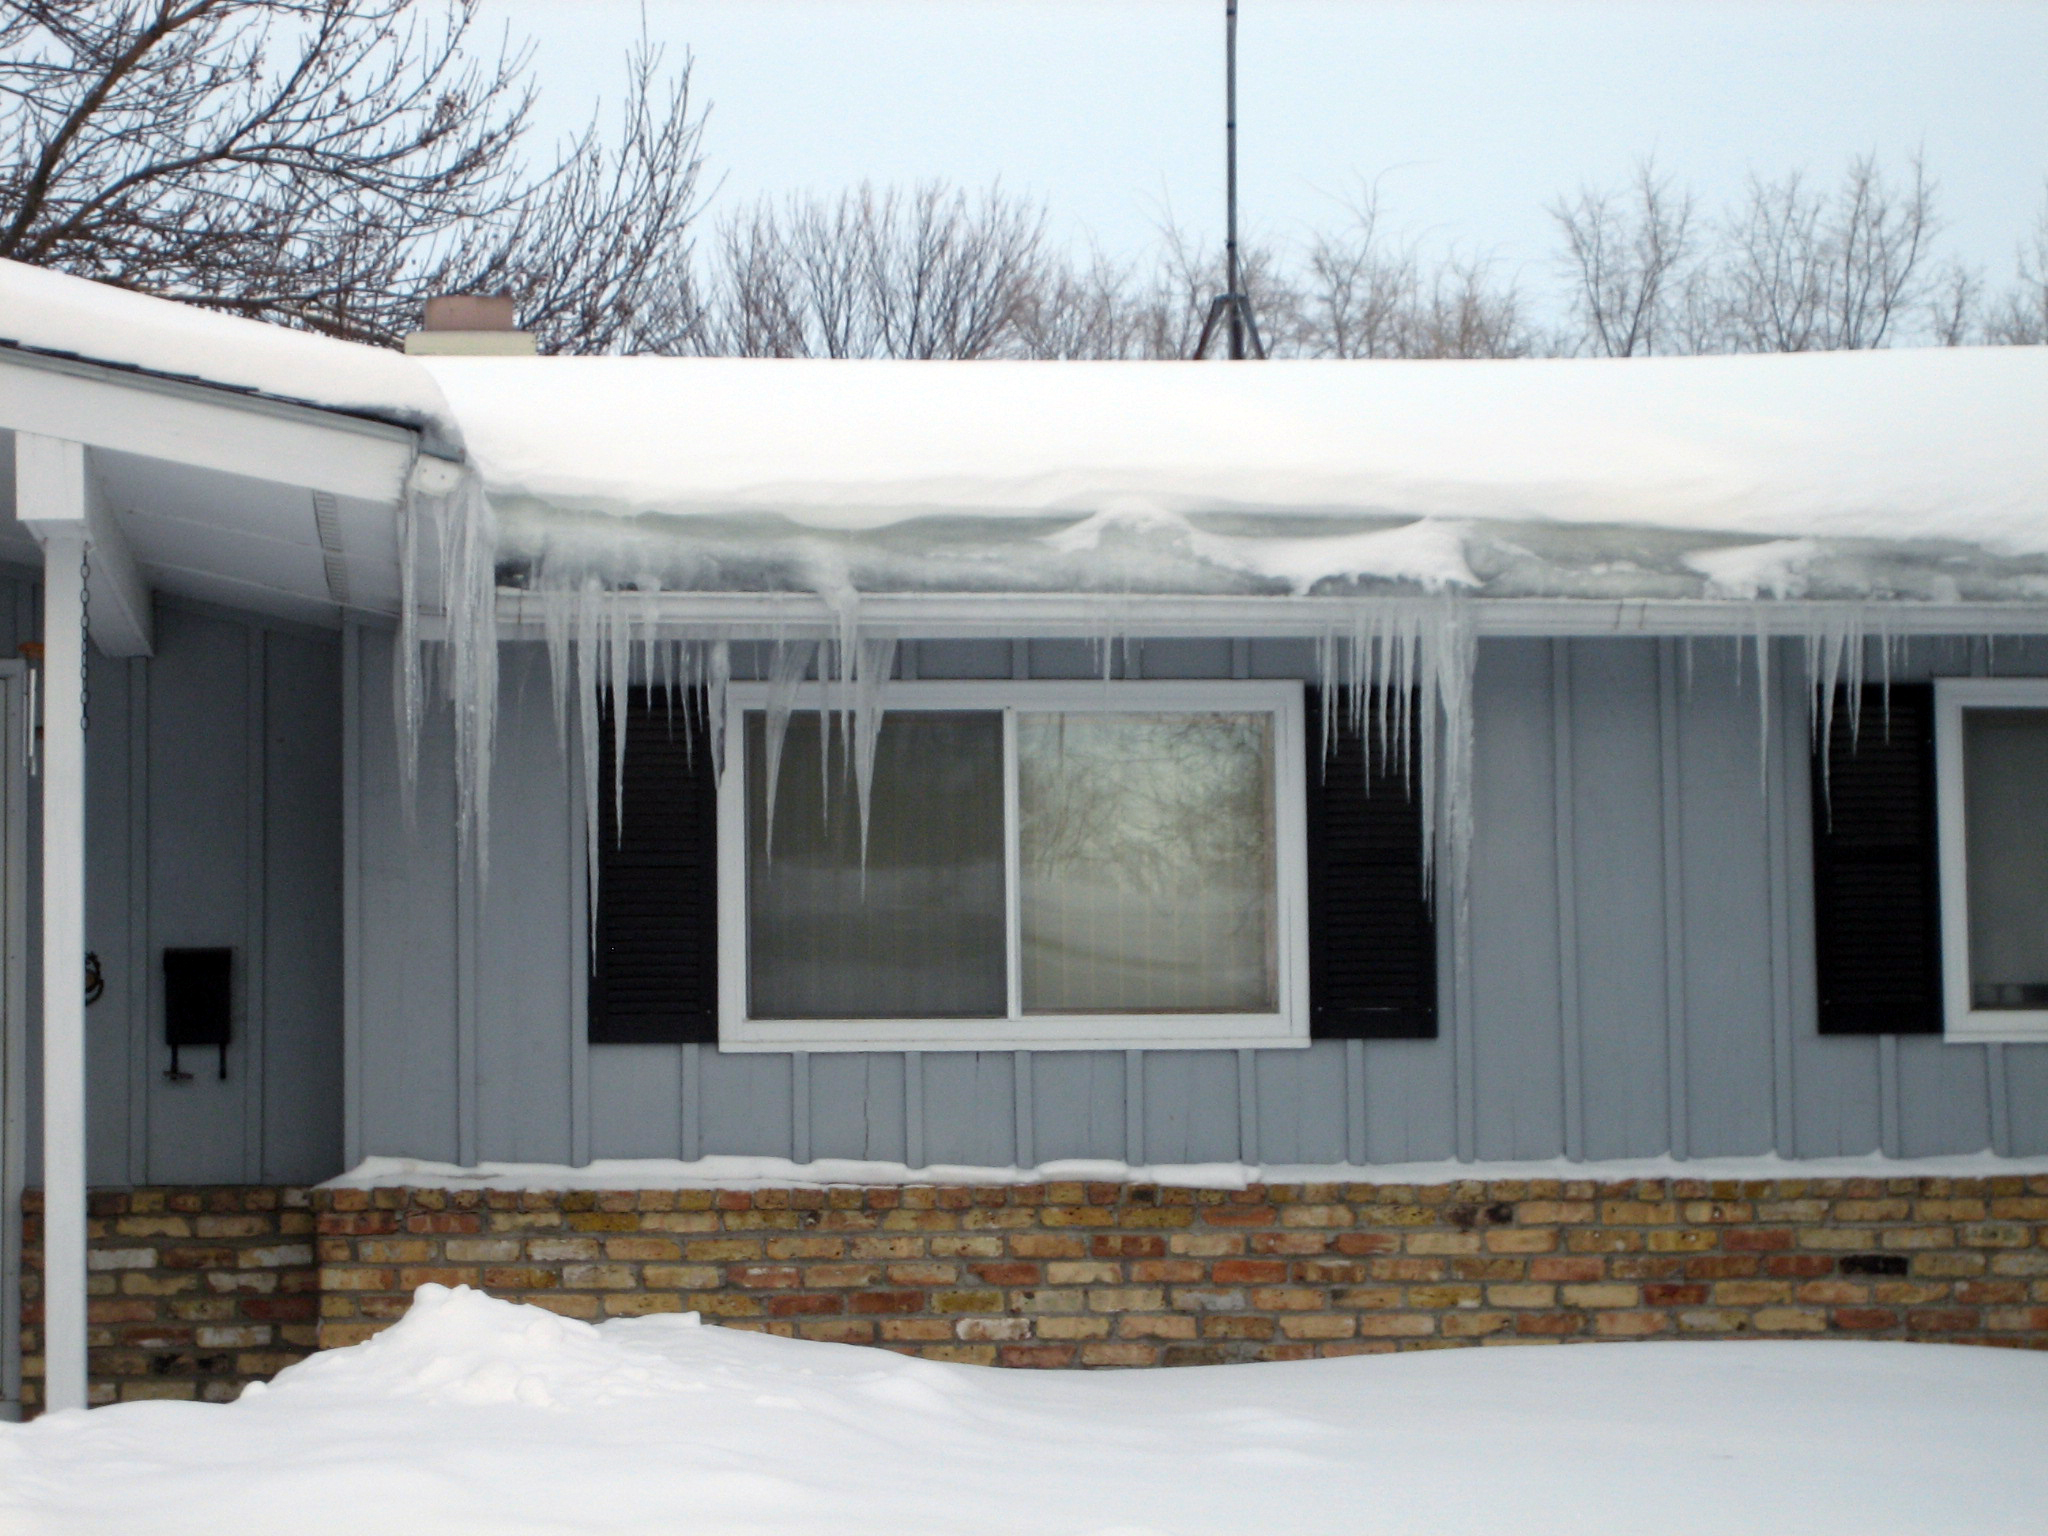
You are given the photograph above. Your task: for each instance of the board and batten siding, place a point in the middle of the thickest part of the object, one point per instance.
(213, 818)
(1639, 976)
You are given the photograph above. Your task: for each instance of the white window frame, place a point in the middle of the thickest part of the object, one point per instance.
(1287, 1025)
(1963, 1023)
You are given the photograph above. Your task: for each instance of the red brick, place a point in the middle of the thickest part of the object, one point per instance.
(1863, 1319)
(1248, 1272)
(1674, 1295)
(1039, 1356)
(1006, 1274)
(887, 1301)
(1942, 1319)
(804, 1304)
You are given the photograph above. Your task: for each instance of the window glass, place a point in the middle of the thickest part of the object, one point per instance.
(916, 929)
(2005, 799)
(1147, 863)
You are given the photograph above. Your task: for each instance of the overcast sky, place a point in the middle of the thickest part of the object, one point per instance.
(1470, 114)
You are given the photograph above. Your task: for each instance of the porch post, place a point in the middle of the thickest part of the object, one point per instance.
(50, 487)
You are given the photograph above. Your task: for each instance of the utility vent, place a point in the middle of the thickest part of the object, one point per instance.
(470, 325)
(327, 524)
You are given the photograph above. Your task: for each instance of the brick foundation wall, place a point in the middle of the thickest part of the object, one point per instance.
(191, 1292)
(1130, 1275)
(196, 1291)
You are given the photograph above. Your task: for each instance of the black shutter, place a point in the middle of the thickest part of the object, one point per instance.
(654, 959)
(1372, 938)
(1876, 885)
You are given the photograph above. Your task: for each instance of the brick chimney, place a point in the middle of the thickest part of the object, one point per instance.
(470, 325)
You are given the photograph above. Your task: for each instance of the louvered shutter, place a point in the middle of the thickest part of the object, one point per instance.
(654, 960)
(1876, 884)
(1372, 937)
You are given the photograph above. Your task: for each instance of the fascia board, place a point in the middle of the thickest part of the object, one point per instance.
(933, 616)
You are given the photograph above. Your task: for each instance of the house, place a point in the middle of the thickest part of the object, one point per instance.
(1040, 863)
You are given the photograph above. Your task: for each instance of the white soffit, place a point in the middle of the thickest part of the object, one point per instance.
(253, 543)
(243, 542)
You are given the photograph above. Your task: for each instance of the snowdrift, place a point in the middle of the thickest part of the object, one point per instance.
(475, 1415)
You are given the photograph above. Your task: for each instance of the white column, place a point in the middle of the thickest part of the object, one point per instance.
(50, 487)
(63, 975)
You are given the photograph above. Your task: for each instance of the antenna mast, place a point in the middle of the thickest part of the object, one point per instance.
(1233, 308)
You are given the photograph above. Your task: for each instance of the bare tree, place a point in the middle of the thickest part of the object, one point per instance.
(1091, 311)
(323, 163)
(878, 273)
(599, 253)
(1627, 255)
(1805, 271)
(1358, 299)
(2021, 319)
(1955, 302)
(1465, 313)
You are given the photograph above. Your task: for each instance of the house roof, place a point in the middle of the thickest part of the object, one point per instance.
(1905, 472)
(1913, 474)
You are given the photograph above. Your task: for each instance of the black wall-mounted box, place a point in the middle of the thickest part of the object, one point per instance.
(199, 1002)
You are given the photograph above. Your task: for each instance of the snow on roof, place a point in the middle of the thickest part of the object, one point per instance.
(1877, 470)
(51, 312)
(1919, 474)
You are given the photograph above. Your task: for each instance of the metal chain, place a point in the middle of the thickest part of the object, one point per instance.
(84, 636)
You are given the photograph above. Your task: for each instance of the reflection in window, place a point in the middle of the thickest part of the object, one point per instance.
(914, 931)
(1147, 863)
(2005, 798)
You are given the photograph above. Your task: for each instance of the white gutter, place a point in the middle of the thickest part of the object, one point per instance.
(1032, 615)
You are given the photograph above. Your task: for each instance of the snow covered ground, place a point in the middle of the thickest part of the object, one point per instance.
(474, 1415)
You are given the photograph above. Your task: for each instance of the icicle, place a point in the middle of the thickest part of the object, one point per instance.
(1835, 646)
(877, 658)
(558, 610)
(1887, 638)
(588, 663)
(618, 684)
(467, 546)
(717, 665)
(408, 702)
(1763, 698)
(1398, 668)
(785, 676)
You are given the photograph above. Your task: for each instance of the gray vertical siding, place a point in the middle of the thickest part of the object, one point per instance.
(213, 818)
(1640, 953)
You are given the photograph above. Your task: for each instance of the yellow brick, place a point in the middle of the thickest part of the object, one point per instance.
(1088, 1273)
(1434, 1296)
(1316, 1325)
(1315, 1216)
(1751, 1293)
(1396, 1325)
(1601, 1295)
(1791, 1320)
(1128, 1299)
(1171, 1325)
(640, 1303)
(1073, 1327)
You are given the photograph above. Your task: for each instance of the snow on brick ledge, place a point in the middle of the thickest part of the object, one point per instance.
(780, 1173)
